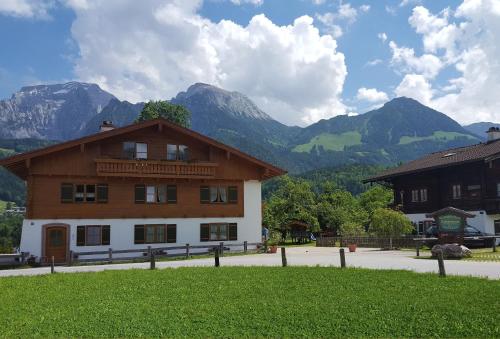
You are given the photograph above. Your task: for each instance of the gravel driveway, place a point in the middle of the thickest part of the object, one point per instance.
(303, 256)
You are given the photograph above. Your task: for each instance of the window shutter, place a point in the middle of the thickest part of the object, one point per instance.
(204, 232)
(140, 194)
(139, 234)
(106, 235)
(102, 193)
(172, 194)
(205, 194)
(232, 194)
(171, 233)
(80, 236)
(66, 193)
(233, 231)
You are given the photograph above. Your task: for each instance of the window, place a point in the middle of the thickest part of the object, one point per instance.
(93, 235)
(141, 150)
(423, 195)
(218, 232)
(218, 194)
(66, 193)
(457, 191)
(474, 191)
(154, 194)
(135, 150)
(81, 193)
(497, 227)
(151, 234)
(414, 196)
(177, 152)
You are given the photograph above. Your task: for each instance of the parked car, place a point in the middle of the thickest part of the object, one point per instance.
(470, 232)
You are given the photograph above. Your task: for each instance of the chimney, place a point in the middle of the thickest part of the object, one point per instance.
(493, 134)
(107, 125)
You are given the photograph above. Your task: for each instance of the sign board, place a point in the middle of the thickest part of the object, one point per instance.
(451, 223)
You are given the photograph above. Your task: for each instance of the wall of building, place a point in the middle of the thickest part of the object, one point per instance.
(122, 229)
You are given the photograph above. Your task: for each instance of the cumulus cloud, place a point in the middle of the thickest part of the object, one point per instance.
(345, 14)
(468, 39)
(382, 36)
(371, 95)
(373, 62)
(293, 72)
(37, 9)
(253, 2)
(405, 60)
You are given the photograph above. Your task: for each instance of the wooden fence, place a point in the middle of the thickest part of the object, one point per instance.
(13, 259)
(375, 242)
(158, 252)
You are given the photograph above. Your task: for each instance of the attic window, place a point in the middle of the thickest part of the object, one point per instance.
(448, 155)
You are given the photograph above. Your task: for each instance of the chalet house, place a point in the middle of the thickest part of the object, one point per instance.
(467, 178)
(153, 183)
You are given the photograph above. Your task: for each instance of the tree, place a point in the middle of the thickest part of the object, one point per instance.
(293, 200)
(337, 207)
(390, 223)
(376, 197)
(163, 109)
(351, 229)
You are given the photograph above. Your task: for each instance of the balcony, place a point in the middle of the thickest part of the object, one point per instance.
(155, 169)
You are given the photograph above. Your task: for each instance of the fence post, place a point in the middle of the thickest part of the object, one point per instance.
(110, 255)
(149, 251)
(71, 258)
(494, 244)
(187, 251)
(245, 246)
(342, 258)
(418, 248)
(217, 264)
(52, 270)
(221, 249)
(390, 243)
(442, 272)
(265, 246)
(152, 265)
(283, 257)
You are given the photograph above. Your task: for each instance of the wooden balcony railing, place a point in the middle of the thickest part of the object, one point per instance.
(155, 168)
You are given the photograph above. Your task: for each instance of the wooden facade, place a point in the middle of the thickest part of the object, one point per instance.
(100, 159)
(471, 186)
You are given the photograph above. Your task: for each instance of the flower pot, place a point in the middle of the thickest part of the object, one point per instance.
(352, 247)
(273, 249)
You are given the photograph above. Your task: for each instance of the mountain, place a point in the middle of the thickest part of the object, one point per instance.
(400, 130)
(55, 112)
(480, 128)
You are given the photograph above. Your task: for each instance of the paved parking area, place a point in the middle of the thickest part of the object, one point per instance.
(303, 256)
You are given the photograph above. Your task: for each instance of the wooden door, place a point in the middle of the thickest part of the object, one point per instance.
(56, 244)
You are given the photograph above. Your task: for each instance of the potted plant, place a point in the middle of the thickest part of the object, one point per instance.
(273, 241)
(351, 230)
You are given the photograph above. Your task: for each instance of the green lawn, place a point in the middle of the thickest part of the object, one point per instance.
(331, 142)
(249, 302)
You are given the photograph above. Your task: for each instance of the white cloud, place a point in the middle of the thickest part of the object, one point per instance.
(468, 39)
(405, 60)
(318, 2)
(415, 86)
(371, 95)
(328, 20)
(364, 8)
(253, 2)
(345, 14)
(382, 36)
(293, 72)
(37, 9)
(404, 3)
(373, 62)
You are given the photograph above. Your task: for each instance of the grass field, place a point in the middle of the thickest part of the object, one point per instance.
(438, 135)
(249, 302)
(331, 142)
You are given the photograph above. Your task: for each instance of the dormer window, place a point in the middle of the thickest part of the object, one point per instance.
(177, 152)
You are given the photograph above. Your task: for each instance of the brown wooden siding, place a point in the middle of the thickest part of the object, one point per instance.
(46, 200)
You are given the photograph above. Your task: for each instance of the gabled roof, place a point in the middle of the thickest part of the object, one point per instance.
(15, 161)
(451, 157)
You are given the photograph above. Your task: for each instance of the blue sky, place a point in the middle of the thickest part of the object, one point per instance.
(434, 51)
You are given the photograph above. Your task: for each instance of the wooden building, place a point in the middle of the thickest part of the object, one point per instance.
(467, 178)
(147, 183)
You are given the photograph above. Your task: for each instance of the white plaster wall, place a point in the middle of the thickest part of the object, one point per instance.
(122, 230)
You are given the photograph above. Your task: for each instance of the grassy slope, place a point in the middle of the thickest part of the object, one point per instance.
(438, 135)
(331, 142)
(251, 302)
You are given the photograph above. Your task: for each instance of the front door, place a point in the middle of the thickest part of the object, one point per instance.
(56, 244)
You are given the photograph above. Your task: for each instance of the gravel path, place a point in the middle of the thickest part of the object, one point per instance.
(303, 256)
